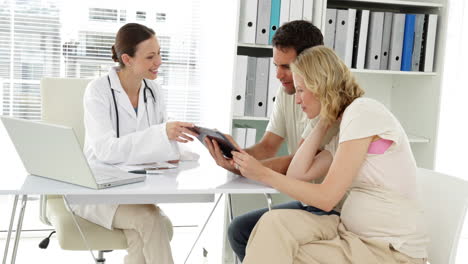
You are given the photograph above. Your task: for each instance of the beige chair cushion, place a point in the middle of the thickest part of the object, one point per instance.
(62, 103)
(98, 237)
(69, 237)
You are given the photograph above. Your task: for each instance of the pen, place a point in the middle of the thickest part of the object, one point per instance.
(143, 172)
(138, 171)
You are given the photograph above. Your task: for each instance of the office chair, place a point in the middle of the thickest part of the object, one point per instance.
(62, 103)
(445, 201)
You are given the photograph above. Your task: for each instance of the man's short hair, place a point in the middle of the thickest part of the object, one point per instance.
(297, 34)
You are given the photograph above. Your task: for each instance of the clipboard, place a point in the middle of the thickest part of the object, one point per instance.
(213, 134)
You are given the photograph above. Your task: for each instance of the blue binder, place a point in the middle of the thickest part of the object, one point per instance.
(274, 18)
(408, 41)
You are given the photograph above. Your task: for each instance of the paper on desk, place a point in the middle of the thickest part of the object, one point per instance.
(155, 167)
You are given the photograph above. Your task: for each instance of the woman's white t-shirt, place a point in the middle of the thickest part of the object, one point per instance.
(382, 202)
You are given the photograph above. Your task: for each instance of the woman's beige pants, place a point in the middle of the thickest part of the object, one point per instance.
(300, 237)
(147, 237)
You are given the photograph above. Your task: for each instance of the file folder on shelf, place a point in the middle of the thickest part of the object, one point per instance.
(295, 10)
(284, 12)
(274, 18)
(261, 87)
(250, 137)
(360, 39)
(307, 10)
(387, 31)
(374, 40)
(250, 87)
(330, 26)
(263, 22)
(396, 42)
(248, 21)
(417, 46)
(239, 135)
(273, 86)
(240, 85)
(344, 36)
(430, 28)
(408, 42)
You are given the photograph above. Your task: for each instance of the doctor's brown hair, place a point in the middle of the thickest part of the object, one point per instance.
(127, 39)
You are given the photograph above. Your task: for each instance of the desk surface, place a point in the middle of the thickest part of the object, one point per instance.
(191, 177)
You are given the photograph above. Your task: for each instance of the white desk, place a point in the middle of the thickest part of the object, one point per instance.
(192, 181)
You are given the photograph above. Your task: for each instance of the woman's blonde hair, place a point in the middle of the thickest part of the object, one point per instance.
(329, 79)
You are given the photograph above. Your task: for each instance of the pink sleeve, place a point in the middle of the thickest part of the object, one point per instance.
(379, 146)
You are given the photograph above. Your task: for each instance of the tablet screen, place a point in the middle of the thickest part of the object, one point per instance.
(223, 142)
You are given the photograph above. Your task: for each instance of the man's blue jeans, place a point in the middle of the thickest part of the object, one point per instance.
(240, 228)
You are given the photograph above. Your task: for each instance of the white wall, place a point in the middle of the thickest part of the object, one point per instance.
(218, 50)
(452, 147)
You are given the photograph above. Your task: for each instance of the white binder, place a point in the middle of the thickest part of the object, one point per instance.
(263, 22)
(307, 10)
(330, 26)
(261, 87)
(284, 12)
(417, 44)
(248, 21)
(396, 42)
(239, 85)
(344, 36)
(273, 86)
(250, 87)
(360, 38)
(430, 43)
(239, 135)
(250, 137)
(374, 40)
(387, 31)
(295, 10)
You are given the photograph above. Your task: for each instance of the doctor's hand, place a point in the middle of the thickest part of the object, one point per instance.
(249, 166)
(179, 131)
(217, 154)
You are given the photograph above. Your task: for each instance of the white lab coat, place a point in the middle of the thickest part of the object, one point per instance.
(138, 143)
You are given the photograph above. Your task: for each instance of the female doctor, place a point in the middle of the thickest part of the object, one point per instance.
(125, 122)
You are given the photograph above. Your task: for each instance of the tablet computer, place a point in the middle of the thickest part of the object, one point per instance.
(223, 142)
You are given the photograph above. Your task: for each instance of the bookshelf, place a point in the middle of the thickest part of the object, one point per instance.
(421, 3)
(413, 97)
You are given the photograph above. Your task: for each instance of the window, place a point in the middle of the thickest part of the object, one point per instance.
(102, 14)
(123, 16)
(160, 17)
(58, 38)
(141, 15)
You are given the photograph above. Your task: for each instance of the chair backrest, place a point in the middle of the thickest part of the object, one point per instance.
(62, 104)
(445, 200)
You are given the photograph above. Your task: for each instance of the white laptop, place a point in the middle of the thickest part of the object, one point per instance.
(53, 151)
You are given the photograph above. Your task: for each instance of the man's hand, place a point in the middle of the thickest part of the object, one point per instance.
(218, 156)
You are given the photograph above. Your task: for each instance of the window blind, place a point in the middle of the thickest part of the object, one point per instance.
(40, 38)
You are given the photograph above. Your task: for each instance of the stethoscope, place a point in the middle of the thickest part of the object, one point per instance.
(145, 100)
